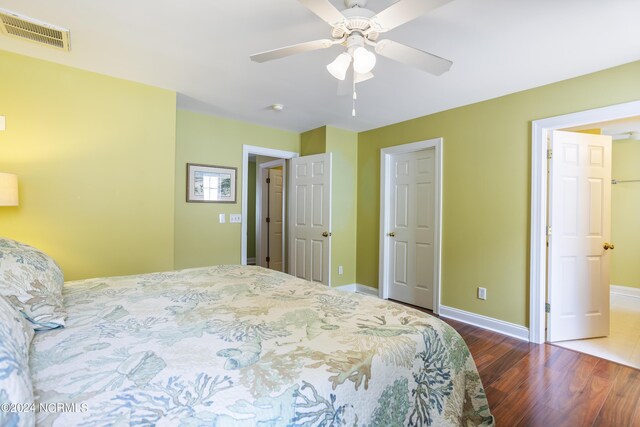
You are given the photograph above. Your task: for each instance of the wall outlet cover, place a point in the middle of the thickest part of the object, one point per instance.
(482, 293)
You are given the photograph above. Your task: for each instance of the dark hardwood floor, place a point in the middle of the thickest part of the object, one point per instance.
(544, 385)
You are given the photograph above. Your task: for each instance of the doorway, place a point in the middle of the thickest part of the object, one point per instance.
(410, 223)
(621, 342)
(270, 213)
(252, 157)
(307, 197)
(542, 134)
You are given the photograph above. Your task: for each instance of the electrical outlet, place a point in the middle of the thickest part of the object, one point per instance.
(482, 293)
(340, 270)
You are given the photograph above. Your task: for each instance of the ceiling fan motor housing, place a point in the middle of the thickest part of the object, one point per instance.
(358, 19)
(355, 3)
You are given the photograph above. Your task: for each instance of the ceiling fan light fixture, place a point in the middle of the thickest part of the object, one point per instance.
(363, 60)
(338, 68)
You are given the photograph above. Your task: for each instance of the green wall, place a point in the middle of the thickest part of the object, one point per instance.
(94, 157)
(486, 187)
(625, 214)
(313, 141)
(199, 239)
(344, 148)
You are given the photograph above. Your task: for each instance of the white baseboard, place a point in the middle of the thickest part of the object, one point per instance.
(347, 288)
(625, 290)
(495, 325)
(358, 288)
(367, 290)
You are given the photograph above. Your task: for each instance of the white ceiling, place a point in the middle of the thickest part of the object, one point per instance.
(201, 48)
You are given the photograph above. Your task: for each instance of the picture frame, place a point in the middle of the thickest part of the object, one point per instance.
(211, 184)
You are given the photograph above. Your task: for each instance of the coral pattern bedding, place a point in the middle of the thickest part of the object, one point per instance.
(246, 346)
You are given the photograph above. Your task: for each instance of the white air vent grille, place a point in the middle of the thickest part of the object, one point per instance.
(27, 28)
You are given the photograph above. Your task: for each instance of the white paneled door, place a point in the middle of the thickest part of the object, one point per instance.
(580, 229)
(310, 218)
(411, 224)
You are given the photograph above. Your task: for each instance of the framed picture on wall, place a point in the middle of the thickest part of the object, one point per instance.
(211, 184)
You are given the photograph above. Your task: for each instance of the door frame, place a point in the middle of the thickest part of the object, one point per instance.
(262, 169)
(540, 130)
(385, 182)
(258, 151)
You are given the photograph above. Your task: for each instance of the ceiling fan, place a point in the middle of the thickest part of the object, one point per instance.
(357, 27)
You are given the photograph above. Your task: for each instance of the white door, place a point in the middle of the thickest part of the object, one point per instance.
(410, 228)
(275, 231)
(310, 218)
(580, 228)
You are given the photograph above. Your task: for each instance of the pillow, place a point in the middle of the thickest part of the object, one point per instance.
(15, 380)
(32, 282)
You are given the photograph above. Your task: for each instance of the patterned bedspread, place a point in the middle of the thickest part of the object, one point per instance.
(246, 346)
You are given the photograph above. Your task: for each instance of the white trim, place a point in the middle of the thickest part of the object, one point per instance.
(484, 322)
(625, 290)
(385, 165)
(367, 290)
(259, 151)
(347, 288)
(538, 249)
(358, 288)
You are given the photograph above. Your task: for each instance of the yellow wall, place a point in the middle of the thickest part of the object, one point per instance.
(487, 168)
(344, 148)
(313, 141)
(625, 214)
(199, 239)
(95, 159)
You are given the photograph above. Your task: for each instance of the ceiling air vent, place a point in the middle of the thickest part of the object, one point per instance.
(27, 28)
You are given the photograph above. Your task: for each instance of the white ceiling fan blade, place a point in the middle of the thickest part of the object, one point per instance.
(402, 12)
(325, 10)
(291, 50)
(415, 57)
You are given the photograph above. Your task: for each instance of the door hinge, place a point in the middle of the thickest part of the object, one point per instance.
(268, 219)
(547, 308)
(549, 153)
(548, 230)
(268, 259)
(268, 180)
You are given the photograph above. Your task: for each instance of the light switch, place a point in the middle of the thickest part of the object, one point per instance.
(3, 123)
(235, 218)
(222, 218)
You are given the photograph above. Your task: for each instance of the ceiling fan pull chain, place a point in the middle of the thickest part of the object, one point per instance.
(355, 96)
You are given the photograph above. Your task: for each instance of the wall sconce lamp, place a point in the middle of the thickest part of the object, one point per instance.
(8, 189)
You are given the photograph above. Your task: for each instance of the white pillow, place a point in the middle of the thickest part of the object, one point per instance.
(15, 379)
(32, 281)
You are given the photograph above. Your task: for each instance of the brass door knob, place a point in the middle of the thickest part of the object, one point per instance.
(607, 246)
(392, 234)
(326, 234)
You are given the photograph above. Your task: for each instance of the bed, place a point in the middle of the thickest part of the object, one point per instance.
(246, 346)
